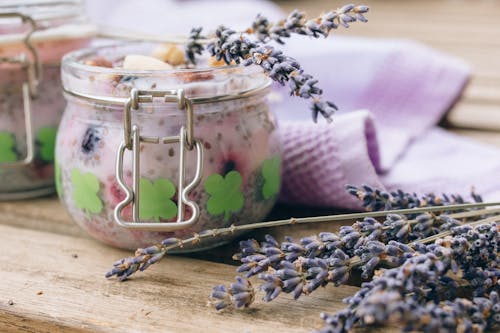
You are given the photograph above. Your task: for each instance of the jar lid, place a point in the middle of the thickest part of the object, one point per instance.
(113, 84)
(44, 11)
(52, 19)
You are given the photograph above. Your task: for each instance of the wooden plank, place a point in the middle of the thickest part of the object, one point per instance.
(483, 90)
(48, 214)
(54, 292)
(484, 116)
(45, 214)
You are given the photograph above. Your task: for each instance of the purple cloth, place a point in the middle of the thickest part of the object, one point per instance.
(407, 89)
(403, 89)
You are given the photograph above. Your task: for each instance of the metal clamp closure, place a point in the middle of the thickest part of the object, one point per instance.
(132, 141)
(33, 70)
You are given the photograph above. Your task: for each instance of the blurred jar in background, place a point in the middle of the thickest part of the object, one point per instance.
(34, 35)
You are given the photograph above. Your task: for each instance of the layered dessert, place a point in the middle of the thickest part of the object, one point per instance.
(241, 152)
(33, 38)
(46, 108)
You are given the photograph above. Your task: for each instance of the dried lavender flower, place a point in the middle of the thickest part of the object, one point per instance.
(194, 46)
(296, 23)
(412, 293)
(240, 294)
(374, 199)
(232, 46)
(315, 261)
(480, 314)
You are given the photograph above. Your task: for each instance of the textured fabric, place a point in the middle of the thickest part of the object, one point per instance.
(406, 86)
(404, 89)
(407, 89)
(320, 159)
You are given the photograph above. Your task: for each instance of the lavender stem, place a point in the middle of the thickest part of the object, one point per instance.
(145, 257)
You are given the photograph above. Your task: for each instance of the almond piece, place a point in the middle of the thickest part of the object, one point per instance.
(170, 53)
(141, 62)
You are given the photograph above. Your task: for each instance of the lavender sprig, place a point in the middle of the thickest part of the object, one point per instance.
(351, 241)
(300, 268)
(296, 23)
(194, 44)
(144, 258)
(411, 293)
(434, 272)
(374, 199)
(281, 68)
(237, 47)
(481, 314)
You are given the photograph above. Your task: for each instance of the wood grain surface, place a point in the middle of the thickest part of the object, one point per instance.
(52, 274)
(57, 284)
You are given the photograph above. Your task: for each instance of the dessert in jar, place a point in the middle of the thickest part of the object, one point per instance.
(151, 148)
(34, 35)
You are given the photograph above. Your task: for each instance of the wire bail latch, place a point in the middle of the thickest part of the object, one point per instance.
(132, 141)
(33, 70)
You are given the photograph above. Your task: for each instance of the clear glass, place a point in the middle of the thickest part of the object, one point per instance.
(57, 32)
(242, 158)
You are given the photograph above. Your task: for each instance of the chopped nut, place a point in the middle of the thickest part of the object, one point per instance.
(99, 62)
(213, 62)
(141, 62)
(170, 53)
(194, 76)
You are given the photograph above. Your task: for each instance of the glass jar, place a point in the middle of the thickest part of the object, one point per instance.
(144, 155)
(34, 35)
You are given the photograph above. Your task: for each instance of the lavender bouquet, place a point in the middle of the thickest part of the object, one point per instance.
(433, 268)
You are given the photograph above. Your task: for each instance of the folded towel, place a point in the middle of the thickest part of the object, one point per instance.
(404, 89)
(407, 89)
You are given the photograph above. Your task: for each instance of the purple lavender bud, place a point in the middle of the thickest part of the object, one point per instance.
(149, 250)
(242, 299)
(361, 18)
(376, 247)
(170, 241)
(242, 292)
(338, 274)
(271, 241)
(345, 9)
(270, 251)
(220, 297)
(291, 283)
(325, 108)
(153, 260)
(361, 9)
(287, 273)
(253, 258)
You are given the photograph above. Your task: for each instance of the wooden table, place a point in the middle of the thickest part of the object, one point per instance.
(52, 275)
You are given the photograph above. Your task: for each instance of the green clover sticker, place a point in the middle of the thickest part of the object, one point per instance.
(271, 171)
(155, 200)
(85, 189)
(46, 138)
(7, 145)
(225, 194)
